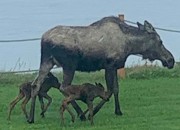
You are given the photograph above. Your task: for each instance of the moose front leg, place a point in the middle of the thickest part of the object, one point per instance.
(68, 75)
(109, 76)
(112, 86)
(116, 94)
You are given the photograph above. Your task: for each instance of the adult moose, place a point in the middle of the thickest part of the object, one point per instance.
(105, 44)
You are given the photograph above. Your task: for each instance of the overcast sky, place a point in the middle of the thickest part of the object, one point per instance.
(20, 19)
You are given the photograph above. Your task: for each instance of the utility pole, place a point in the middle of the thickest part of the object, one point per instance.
(121, 72)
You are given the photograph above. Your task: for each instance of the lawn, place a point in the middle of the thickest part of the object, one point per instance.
(148, 103)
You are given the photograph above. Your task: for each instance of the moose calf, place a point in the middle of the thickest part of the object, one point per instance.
(86, 93)
(25, 91)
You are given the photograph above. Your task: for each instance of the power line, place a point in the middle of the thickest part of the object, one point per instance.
(168, 30)
(21, 40)
(162, 29)
(35, 39)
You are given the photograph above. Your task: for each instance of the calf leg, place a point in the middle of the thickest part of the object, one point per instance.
(42, 105)
(14, 102)
(68, 75)
(23, 105)
(45, 68)
(48, 104)
(90, 107)
(65, 106)
(62, 109)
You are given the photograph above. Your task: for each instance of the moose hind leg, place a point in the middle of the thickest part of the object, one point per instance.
(45, 68)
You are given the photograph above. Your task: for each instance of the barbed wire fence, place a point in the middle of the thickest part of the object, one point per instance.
(38, 38)
(23, 71)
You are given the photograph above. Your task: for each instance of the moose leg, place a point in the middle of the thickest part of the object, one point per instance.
(109, 76)
(14, 102)
(116, 93)
(45, 68)
(68, 75)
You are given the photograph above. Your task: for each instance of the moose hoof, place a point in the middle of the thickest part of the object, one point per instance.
(82, 117)
(42, 115)
(73, 120)
(30, 121)
(119, 113)
(89, 117)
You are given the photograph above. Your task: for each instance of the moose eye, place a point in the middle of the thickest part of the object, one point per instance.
(160, 43)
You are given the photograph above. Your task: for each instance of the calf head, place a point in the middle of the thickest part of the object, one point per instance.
(101, 92)
(52, 80)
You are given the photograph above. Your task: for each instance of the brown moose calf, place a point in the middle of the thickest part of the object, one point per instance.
(25, 91)
(86, 93)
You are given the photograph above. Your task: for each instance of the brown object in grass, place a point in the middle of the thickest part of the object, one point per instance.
(25, 91)
(86, 92)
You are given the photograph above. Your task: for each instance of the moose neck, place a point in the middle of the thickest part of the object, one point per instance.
(136, 45)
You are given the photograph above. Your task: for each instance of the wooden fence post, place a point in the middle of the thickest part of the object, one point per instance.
(121, 17)
(121, 72)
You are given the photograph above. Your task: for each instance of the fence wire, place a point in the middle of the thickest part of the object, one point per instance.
(24, 71)
(16, 72)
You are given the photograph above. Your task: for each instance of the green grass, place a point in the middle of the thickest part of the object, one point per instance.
(148, 102)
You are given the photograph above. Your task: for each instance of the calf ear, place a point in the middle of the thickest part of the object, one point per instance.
(100, 85)
(96, 83)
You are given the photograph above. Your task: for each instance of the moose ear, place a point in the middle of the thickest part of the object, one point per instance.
(140, 26)
(148, 27)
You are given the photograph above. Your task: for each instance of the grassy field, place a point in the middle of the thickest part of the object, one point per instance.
(150, 100)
